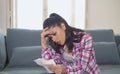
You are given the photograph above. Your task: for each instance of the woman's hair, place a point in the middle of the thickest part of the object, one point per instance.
(56, 20)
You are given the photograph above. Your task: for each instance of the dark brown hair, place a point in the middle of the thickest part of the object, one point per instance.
(56, 20)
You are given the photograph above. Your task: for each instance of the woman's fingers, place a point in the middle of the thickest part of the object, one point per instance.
(45, 29)
(57, 69)
(46, 32)
(52, 68)
(44, 38)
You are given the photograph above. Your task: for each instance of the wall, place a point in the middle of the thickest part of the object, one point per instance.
(3, 15)
(103, 14)
(100, 14)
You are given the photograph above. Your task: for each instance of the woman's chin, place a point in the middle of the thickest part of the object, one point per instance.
(62, 43)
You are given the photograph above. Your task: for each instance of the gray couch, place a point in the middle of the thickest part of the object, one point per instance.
(107, 52)
(20, 47)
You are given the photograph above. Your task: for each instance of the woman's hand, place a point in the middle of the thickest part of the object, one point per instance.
(58, 69)
(44, 38)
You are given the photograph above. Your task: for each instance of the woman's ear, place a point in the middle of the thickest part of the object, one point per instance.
(63, 26)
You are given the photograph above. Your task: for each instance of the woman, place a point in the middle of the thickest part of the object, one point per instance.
(71, 48)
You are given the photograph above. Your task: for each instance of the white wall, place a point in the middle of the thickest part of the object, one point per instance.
(3, 15)
(103, 14)
(100, 14)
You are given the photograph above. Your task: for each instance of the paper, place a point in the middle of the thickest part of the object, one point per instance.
(45, 63)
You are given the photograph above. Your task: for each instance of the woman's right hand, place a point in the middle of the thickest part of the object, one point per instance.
(44, 38)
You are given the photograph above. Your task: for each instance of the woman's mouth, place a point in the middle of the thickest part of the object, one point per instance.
(58, 42)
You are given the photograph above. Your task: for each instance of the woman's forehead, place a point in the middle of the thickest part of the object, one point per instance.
(53, 28)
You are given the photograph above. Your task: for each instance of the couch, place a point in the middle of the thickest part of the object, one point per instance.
(107, 51)
(20, 47)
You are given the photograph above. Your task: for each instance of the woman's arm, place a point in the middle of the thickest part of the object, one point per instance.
(50, 53)
(47, 53)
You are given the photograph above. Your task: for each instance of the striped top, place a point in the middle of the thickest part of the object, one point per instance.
(83, 55)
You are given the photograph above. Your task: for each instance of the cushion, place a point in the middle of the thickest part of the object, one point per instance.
(24, 56)
(110, 69)
(21, 38)
(24, 70)
(2, 51)
(106, 53)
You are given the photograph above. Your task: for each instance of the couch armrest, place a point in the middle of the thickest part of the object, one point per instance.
(119, 49)
(2, 51)
(117, 40)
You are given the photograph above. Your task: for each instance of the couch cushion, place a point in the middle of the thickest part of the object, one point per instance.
(106, 53)
(21, 38)
(24, 56)
(102, 35)
(2, 51)
(24, 70)
(110, 69)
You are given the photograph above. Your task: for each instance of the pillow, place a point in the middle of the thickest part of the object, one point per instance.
(106, 53)
(24, 56)
(20, 38)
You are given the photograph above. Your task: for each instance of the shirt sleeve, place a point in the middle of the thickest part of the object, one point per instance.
(86, 58)
(47, 53)
(50, 53)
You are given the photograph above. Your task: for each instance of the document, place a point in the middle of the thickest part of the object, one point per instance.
(45, 63)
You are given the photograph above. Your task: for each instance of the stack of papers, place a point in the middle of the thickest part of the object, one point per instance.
(45, 63)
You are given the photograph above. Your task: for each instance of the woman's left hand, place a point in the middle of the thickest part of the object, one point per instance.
(58, 69)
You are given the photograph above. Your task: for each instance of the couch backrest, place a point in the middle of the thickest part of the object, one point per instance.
(2, 51)
(102, 35)
(104, 43)
(20, 38)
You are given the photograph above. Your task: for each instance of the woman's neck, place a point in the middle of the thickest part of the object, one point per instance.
(66, 49)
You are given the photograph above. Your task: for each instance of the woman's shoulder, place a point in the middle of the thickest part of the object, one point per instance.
(84, 39)
(87, 36)
(77, 31)
(82, 34)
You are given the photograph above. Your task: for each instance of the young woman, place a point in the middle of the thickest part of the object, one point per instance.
(71, 48)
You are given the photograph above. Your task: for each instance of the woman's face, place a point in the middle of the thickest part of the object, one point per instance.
(58, 34)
